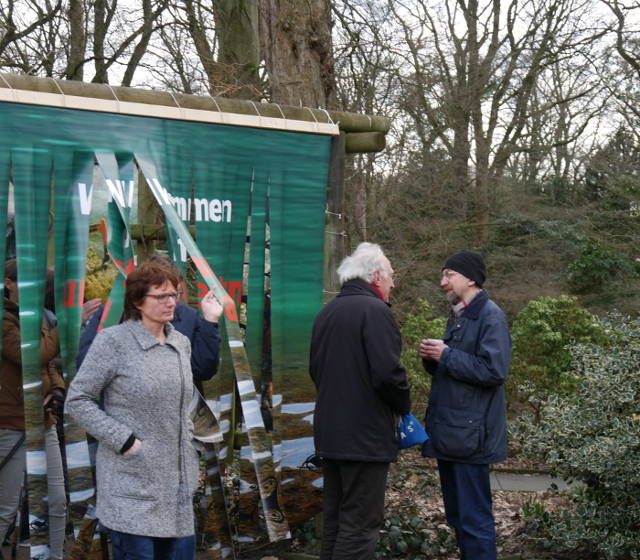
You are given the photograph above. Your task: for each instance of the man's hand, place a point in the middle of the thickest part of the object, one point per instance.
(89, 308)
(54, 402)
(211, 308)
(431, 349)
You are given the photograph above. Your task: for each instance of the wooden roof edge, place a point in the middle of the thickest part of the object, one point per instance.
(346, 122)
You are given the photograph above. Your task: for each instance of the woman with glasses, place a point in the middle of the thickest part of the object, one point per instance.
(147, 466)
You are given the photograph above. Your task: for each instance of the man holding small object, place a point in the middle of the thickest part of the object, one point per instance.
(466, 413)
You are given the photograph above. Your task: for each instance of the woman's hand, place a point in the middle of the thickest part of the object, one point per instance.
(211, 308)
(136, 445)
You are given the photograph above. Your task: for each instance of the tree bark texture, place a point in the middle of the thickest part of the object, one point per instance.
(102, 20)
(238, 36)
(297, 46)
(77, 41)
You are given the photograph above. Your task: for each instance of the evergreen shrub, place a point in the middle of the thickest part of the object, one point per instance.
(596, 267)
(420, 323)
(542, 332)
(593, 435)
(406, 533)
(406, 536)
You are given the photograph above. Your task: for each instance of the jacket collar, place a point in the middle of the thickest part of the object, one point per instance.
(359, 287)
(476, 305)
(144, 337)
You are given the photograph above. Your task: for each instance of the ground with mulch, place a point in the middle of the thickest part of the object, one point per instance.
(413, 491)
(413, 494)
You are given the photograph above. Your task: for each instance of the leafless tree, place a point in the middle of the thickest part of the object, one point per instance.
(77, 41)
(172, 63)
(621, 74)
(626, 35)
(224, 37)
(473, 68)
(366, 83)
(121, 36)
(21, 21)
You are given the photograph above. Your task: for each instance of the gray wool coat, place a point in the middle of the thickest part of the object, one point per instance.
(147, 388)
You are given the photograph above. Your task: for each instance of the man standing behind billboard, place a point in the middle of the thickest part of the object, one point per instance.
(361, 389)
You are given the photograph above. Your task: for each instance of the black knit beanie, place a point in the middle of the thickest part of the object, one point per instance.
(469, 264)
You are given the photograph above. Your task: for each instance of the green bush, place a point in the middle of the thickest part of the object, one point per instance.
(596, 267)
(406, 534)
(419, 324)
(593, 435)
(541, 334)
(560, 232)
(559, 190)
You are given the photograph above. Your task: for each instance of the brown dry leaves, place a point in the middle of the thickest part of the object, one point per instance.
(415, 480)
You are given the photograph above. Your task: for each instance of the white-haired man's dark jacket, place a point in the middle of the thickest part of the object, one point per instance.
(361, 384)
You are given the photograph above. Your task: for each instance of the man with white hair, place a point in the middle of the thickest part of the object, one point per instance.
(361, 389)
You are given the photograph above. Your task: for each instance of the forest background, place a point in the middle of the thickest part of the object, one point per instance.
(514, 124)
(514, 132)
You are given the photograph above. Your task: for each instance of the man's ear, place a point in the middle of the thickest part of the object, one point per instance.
(376, 276)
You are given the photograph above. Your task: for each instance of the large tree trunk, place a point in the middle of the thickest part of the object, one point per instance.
(458, 179)
(146, 31)
(77, 41)
(296, 42)
(238, 36)
(101, 26)
(232, 63)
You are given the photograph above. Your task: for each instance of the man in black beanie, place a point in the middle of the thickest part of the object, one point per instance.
(466, 414)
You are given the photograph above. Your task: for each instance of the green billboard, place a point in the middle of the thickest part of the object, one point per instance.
(255, 198)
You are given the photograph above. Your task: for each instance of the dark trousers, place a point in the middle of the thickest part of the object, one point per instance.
(353, 508)
(126, 546)
(466, 491)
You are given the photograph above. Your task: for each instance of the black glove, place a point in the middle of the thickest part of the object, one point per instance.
(55, 404)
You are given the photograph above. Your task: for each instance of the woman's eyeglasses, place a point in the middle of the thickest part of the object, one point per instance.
(164, 298)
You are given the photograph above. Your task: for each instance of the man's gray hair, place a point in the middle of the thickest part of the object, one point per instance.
(362, 263)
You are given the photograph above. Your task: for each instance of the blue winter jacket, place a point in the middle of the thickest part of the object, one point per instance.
(203, 335)
(466, 414)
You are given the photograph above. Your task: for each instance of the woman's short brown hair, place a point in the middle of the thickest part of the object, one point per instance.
(140, 281)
